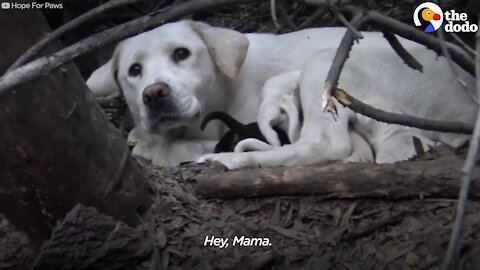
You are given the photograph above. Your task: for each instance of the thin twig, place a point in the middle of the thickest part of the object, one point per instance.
(459, 55)
(356, 34)
(62, 30)
(447, 55)
(362, 232)
(388, 24)
(453, 68)
(46, 64)
(453, 250)
(399, 119)
(314, 17)
(295, 13)
(402, 52)
(273, 13)
(338, 63)
(463, 44)
(285, 17)
(327, 2)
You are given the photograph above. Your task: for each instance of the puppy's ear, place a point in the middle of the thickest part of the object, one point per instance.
(228, 48)
(102, 82)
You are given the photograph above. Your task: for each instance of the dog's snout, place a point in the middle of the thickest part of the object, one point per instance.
(154, 94)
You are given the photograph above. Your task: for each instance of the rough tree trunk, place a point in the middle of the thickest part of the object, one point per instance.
(57, 147)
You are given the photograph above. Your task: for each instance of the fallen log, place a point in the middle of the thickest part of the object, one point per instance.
(423, 178)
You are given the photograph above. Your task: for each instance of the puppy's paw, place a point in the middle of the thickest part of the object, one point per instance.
(232, 161)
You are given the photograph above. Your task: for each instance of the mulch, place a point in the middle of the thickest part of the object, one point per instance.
(304, 232)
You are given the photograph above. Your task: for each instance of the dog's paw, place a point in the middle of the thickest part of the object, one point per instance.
(132, 143)
(206, 158)
(232, 161)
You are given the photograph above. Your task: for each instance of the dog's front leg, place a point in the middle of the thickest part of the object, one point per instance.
(164, 150)
(300, 153)
(178, 151)
(184, 150)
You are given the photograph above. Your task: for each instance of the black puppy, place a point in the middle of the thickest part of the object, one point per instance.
(238, 132)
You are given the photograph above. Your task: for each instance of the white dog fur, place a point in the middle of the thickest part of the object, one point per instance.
(225, 72)
(377, 76)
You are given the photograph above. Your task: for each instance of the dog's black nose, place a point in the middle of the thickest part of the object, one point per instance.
(154, 94)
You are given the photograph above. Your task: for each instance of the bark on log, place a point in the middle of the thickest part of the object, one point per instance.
(426, 178)
(57, 148)
(86, 239)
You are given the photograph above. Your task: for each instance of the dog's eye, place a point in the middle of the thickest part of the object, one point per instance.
(135, 70)
(180, 54)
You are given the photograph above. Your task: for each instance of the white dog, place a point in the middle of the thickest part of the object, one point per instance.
(175, 74)
(377, 76)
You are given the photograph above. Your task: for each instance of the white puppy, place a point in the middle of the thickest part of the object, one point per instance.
(377, 76)
(280, 106)
(175, 74)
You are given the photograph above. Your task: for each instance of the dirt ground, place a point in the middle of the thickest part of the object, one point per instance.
(304, 232)
(310, 232)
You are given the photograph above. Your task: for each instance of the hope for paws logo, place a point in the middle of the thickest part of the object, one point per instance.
(429, 17)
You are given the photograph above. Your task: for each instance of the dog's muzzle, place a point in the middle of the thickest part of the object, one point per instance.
(159, 101)
(156, 95)
(163, 110)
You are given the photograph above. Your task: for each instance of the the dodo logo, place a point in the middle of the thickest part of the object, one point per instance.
(428, 16)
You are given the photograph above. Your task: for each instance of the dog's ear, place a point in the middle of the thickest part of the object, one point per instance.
(103, 81)
(228, 48)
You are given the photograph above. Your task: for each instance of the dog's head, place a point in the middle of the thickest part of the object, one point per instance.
(169, 74)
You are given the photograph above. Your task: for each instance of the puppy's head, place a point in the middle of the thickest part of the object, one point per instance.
(169, 74)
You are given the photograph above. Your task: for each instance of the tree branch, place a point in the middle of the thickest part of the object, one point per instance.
(402, 52)
(338, 63)
(62, 30)
(273, 14)
(319, 13)
(463, 44)
(459, 55)
(356, 34)
(400, 119)
(44, 65)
